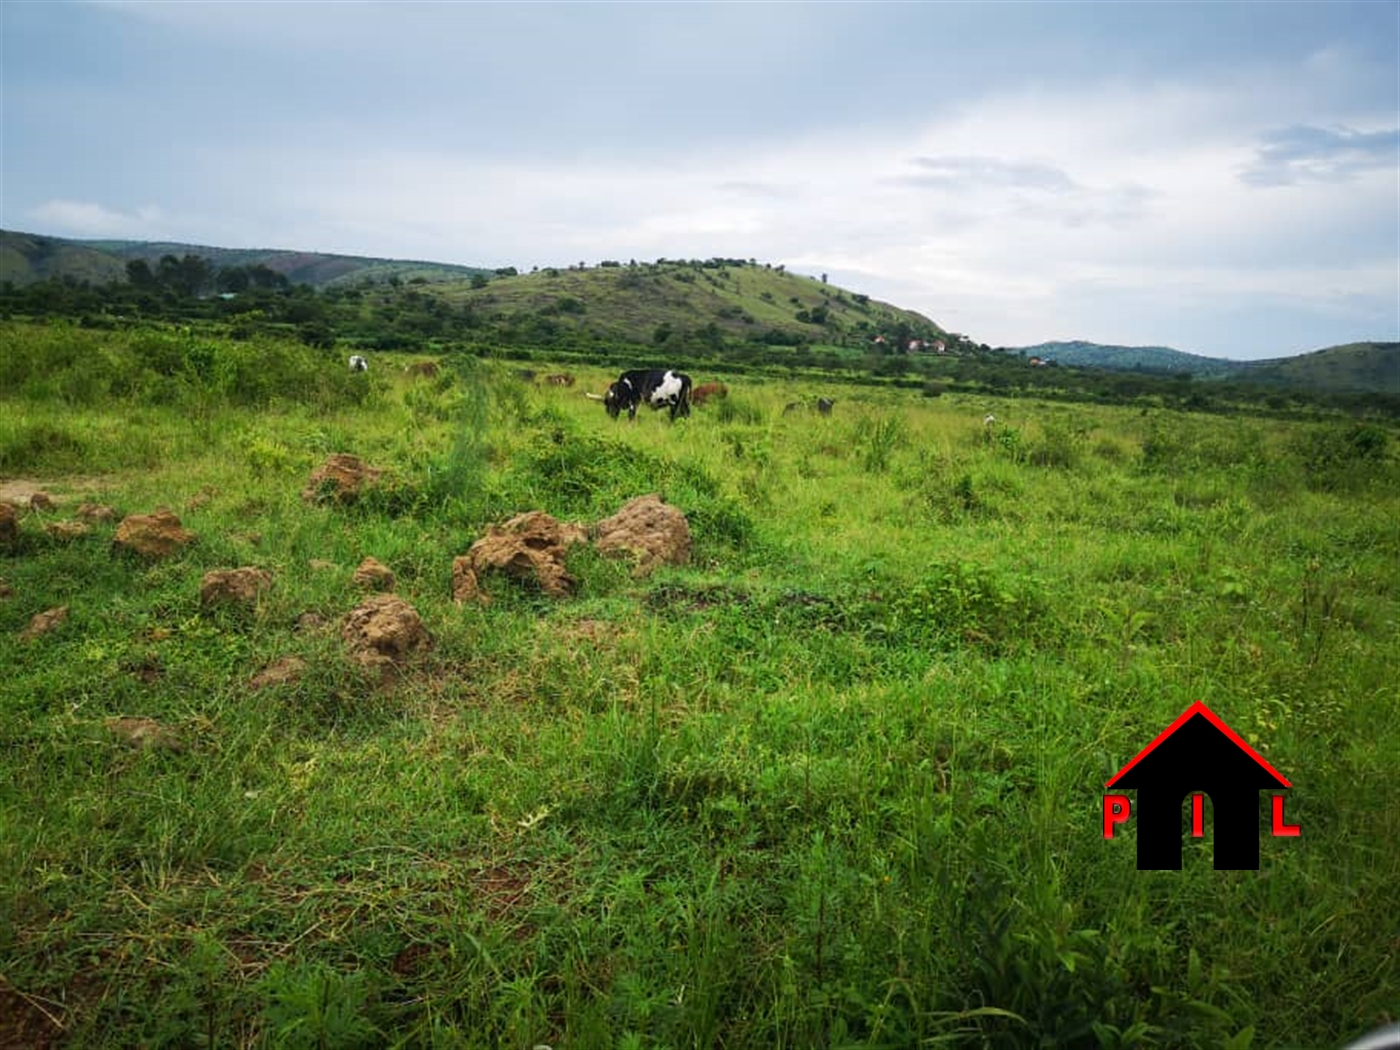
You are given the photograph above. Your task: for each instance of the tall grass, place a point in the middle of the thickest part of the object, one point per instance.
(835, 782)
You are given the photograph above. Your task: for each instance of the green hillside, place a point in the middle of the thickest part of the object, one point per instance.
(1365, 366)
(645, 302)
(26, 258)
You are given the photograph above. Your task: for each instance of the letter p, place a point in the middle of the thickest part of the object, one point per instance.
(1115, 811)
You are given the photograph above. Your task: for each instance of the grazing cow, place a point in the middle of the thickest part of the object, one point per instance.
(427, 369)
(990, 420)
(705, 391)
(562, 379)
(792, 406)
(824, 405)
(657, 387)
(525, 375)
(358, 363)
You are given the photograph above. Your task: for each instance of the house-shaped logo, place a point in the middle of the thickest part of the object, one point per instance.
(1197, 754)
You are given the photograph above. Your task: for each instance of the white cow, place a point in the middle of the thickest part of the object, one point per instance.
(358, 363)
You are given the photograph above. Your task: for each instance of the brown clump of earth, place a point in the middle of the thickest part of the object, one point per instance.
(384, 632)
(95, 512)
(43, 623)
(374, 575)
(9, 527)
(156, 535)
(341, 479)
(651, 531)
(234, 586)
(530, 546)
(284, 671)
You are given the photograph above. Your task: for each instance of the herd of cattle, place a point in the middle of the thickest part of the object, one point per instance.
(657, 388)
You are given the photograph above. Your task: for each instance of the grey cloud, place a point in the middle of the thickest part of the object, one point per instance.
(1032, 190)
(1302, 153)
(968, 173)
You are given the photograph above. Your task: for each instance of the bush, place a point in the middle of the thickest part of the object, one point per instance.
(1343, 456)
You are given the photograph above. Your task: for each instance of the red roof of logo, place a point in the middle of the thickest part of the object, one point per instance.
(1199, 708)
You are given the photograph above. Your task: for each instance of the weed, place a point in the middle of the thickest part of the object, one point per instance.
(879, 439)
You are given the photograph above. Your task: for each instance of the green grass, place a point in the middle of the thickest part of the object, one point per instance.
(834, 783)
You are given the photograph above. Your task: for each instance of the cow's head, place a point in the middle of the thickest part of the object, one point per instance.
(611, 402)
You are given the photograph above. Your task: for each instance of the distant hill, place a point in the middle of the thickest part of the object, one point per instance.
(662, 304)
(26, 258)
(1367, 367)
(636, 303)
(641, 303)
(1358, 367)
(1128, 358)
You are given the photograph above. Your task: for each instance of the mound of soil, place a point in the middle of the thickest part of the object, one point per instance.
(9, 527)
(652, 532)
(234, 586)
(529, 546)
(384, 632)
(373, 575)
(284, 671)
(95, 512)
(155, 535)
(43, 623)
(340, 479)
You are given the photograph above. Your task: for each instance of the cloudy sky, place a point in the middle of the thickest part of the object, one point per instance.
(1223, 178)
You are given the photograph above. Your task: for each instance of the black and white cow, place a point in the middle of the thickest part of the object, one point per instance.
(358, 363)
(658, 387)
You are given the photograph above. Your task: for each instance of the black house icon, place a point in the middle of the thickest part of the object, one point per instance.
(1198, 752)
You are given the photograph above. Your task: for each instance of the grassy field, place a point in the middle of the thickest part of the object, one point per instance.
(835, 783)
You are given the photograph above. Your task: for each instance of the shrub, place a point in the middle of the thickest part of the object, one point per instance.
(1343, 456)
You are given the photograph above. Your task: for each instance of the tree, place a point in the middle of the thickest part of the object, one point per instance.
(185, 277)
(138, 273)
(233, 279)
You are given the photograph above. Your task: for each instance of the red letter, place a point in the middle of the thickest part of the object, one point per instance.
(1115, 811)
(1282, 830)
(1198, 816)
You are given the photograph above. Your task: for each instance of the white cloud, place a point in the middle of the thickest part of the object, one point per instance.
(88, 219)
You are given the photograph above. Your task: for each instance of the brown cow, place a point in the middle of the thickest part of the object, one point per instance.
(427, 369)
(562, 379)
(705, 391)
